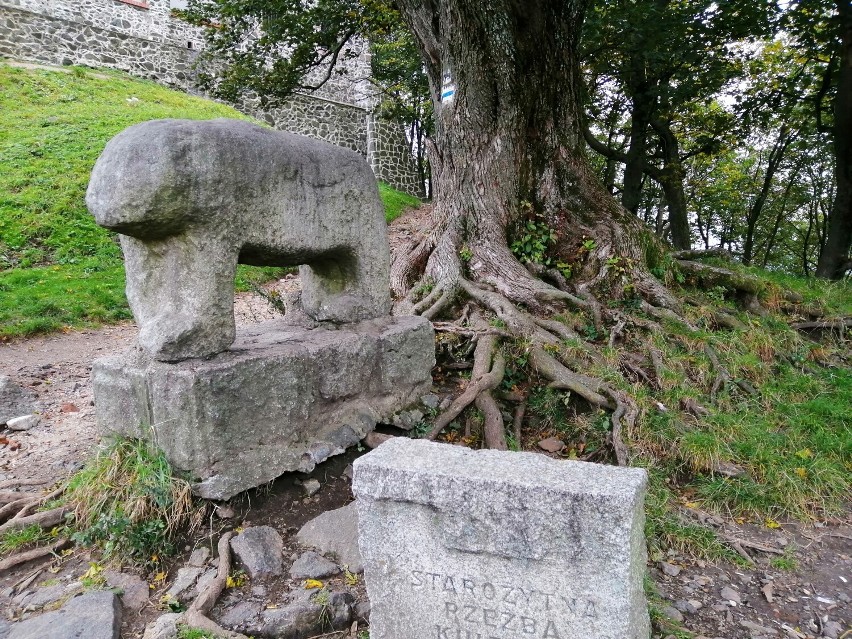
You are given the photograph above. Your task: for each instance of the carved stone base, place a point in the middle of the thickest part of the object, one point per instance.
(281, 399)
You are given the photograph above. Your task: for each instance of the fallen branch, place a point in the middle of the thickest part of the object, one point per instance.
(32, 555)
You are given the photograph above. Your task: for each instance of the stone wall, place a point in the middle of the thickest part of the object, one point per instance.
(390, 157)
(142, 38)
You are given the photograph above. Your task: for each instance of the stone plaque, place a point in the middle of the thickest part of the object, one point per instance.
(463, 544)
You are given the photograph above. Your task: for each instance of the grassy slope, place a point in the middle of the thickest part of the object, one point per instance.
(57, 267)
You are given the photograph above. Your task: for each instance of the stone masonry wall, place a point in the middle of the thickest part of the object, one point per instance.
(390, 157)
(142, 38)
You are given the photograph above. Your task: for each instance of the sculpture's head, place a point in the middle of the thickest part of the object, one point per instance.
(142, 184)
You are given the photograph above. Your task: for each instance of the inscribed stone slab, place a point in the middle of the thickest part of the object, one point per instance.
(463, 544)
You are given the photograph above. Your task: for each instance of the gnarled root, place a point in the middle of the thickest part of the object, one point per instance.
(31, 555)
(489, 366)
(196, 615)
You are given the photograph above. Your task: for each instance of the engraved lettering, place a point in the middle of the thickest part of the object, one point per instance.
(547, 596)
(415, 576)
(489, 617)
(528, 625)
(451, 609)
(442, 632)
(435, 576)
(449, 586)
(509, 597)
(509, 618)
(591, 611)
(550, 631)
(467, 585)
(469, 612)
(571, 604)
(488, 591)
(526, 595)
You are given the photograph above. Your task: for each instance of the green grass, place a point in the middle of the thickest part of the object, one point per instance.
(396, 202)
(57, 267)
(12, 540)
(185, 632)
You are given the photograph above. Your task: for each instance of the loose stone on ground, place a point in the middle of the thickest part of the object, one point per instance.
(258, 551)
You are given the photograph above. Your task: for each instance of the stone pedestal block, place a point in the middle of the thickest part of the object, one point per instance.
(281, 399)
(463, 544)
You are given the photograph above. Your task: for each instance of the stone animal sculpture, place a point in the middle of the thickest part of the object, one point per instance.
(191, 199)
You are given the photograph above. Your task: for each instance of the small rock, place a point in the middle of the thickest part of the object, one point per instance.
(310, 565)
(311, 486)
(729, 594)
(14, 400)
(258, 591)
(669, 569)
(348, 472)
(68, 407)
(224, 511)
(165, 627)
(431, 401)
(673, 614)
(769, 592)
(695, 604)
(551, 444)
(93, 615)
(259, 551)
(756, 630)
(134, 590)
(685, 606)
(199, 557)
(25, 422)
(832, 630)
(47, 595)
(374, 439)
(362, 611)
(185, 580)
(407, 419)
(335, 531)
(240, 614)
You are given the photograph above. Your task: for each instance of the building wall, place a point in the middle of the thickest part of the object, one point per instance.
(142, 38)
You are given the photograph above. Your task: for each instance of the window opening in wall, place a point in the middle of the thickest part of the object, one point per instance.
(189, 45)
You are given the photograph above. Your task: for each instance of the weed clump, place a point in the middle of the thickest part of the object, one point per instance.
(128, 503)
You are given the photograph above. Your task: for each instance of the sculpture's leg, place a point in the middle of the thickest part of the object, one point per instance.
(181, 291)
(351, 283)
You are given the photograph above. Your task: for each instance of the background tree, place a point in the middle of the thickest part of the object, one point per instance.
(667, 59)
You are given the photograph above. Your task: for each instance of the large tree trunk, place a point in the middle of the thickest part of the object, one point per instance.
(507, 144)
(834, 260)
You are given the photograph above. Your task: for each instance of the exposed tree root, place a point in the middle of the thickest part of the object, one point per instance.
(31, 555)
(25, 504)
(196, 615)
(484, 377)
(831, 325)
(45, 519)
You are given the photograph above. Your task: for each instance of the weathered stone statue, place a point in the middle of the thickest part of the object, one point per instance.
(237, 409)
(193, 198)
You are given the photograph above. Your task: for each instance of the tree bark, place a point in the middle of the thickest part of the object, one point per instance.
(834, 259)
(671, 178)
(507, 143)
